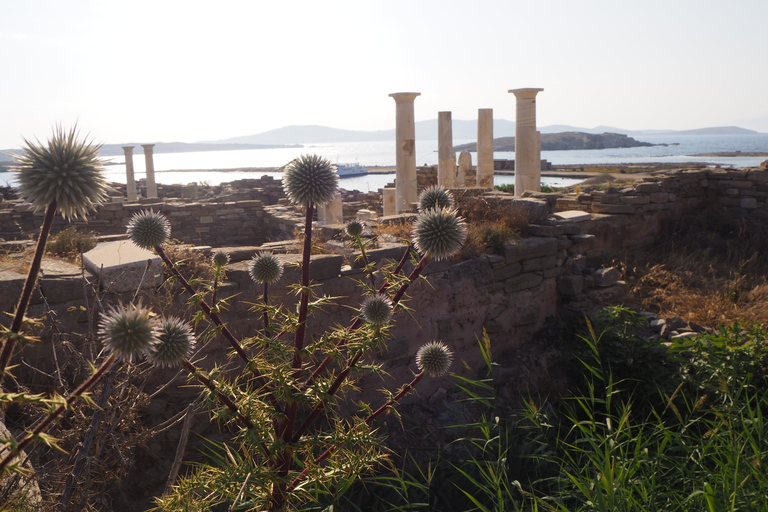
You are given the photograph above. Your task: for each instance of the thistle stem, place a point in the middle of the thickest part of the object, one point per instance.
(227, 401)
(327, 453)
(29, 286)
(266, 301)
(352, 361)
(358, 321)
(53, 415)
(216, 319)
(361, 245)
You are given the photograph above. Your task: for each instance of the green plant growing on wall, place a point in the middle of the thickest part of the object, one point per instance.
(289, 439)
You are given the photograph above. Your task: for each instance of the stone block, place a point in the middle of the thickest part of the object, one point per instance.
(749, 203)
(505, 272)
(573, 216)
(552, 272)
(529, 248)
(477, 270)
(570, 285)
(647, 188)
(522, 282)
(613, 208)
(639, 199)
(609, 293)
(540, 263)
(659, 197)
(606, 276)
(122, 266)
(539, 230)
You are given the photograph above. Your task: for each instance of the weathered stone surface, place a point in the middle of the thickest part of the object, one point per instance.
(570, 286)
(613, 208)
(505, 272)
(610, 293)
(528, 248)
(606, 276)
(749, 203)
(534, 264)
(478, 270)
(122, 266)
(59, 281)
(646, 188)
(522, 282)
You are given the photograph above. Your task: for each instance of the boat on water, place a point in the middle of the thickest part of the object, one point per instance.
(350, 170)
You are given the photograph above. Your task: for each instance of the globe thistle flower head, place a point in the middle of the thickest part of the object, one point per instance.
(68, 171)
(377, 310)
(434, 358)
(148, 229)
(128, 331)
(439, 233)
(175, 343)
(265, 268)
(354, 228)
(310, 179)
(435, 197)
(220, 258)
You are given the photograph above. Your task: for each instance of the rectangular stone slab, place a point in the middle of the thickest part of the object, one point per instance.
(121, 265)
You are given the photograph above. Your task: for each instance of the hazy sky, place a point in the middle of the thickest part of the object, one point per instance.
(188, 70)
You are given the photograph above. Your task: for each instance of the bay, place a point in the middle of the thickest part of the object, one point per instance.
(215, 167)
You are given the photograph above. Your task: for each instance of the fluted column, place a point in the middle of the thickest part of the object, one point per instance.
(405, 136)
(485, 148)
(150, 165)
(130, 180)
(446, 157)
(527, 159)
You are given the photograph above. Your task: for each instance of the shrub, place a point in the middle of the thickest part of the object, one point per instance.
(71, 242)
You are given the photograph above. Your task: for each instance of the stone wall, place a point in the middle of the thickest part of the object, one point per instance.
(236, 216)
(741, 191)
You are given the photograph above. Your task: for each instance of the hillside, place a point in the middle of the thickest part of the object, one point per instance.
(566, 141)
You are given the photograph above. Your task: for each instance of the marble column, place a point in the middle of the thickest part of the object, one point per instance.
(130, 180)
(446, 157)
(527, 159)
(485, 148)
(405, 136)
(464, 176)
(389, 201)
(150, 164)
(333, 212)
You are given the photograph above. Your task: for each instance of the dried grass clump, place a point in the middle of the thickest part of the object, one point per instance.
(707, 269)
(492, 221)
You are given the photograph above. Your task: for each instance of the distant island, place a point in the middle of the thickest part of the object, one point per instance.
(566, 141)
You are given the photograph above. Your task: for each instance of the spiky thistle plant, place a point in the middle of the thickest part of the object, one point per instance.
(266, 269)
(435, 197)
(128, 331)
(67, 173)
(280, 431)
(377, 310)
(439, 233)
(434, 359)
(354, 228)
(149, 230)
(220, 258)
(65, 176)
(310, 179)
(175, 342)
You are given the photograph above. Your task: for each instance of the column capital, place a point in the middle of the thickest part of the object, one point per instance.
(147, 146)
(401, 97)
(525, 93)
(127, 148)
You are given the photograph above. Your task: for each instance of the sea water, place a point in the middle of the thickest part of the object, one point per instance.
(215, 167)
